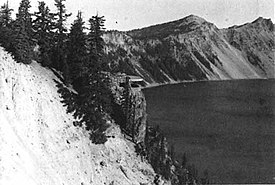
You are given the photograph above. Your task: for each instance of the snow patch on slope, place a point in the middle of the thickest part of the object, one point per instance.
(39, 144)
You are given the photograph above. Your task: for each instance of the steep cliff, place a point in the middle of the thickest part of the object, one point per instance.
(39, 144)
(129, 110)
(256, 42)
(194, 49)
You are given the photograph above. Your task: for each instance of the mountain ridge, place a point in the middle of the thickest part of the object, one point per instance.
(185, 24)
(191, 49)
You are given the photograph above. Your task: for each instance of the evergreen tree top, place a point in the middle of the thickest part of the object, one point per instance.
(62, 16)
(94, 36)
(78, 21)
(5, 14)
(77, 40)
(23, 18)
(23, 10)
(42, 9)
(79, 18)
(43, 24)
(97, 24)
(43, 17)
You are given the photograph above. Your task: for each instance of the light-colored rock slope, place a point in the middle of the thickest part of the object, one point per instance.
(39, 144)
(192, 49)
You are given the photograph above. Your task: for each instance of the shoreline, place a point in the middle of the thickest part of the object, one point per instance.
(198, 81)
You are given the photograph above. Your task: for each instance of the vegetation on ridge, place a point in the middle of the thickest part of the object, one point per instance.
(80, 57)
(77, 55)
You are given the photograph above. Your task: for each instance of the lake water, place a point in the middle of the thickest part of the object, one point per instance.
(226, 127)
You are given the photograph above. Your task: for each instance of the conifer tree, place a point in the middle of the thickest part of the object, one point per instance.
(162, 152)
(43, 31)
(60, 39)
(23, 31)
(95, 39)
(61, 19)
(6, 33)
(24, 15)
(5, 15)
(94, 96)
(77, 50)
(99, 78)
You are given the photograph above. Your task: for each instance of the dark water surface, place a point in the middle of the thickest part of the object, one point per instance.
(226, 127)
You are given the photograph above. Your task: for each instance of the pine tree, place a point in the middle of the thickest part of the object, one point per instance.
(6, 32)
(77, 50)
(24, 15)
(95, 39)
(162, 155)
(22, 46)
(147, 140)
(43, 31)
(22, 30)
(61, 19)
(94, 96)
(98, 78)
(162, 152)
(59, 54)
(5, 15)
(167, 170)
(133, 118)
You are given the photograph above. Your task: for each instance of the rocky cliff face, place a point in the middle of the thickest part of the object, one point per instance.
(39, 144)
(139, 115)
(256, 41)
(194, 49)
(130, 111)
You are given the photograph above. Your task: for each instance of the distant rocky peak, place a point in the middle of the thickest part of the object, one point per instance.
(260, 19)
(262, 22)
(194, 19)
(190, 22)
(258, 24)
(193, 22)
(181, 26)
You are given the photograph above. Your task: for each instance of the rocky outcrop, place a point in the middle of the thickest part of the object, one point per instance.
(194, 49)
(256, 41)
(139, 115)
(130, 110)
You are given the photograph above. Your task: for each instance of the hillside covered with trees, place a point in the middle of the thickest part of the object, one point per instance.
(84, 76)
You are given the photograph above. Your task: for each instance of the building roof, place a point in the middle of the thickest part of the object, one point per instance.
(132, 77)
(135, 78)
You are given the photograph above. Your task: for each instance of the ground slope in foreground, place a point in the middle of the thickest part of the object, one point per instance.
(39, 144)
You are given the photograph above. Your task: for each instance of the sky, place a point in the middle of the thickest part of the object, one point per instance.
(125, 15)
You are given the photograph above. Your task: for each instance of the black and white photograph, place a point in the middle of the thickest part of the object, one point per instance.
(137, 92)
